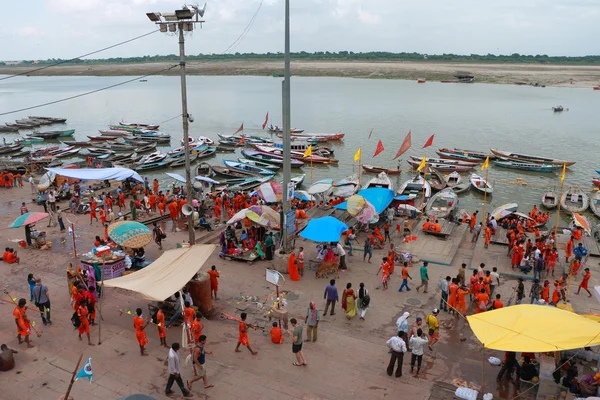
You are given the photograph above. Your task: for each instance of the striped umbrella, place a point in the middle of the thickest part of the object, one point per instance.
(28, 218)
(130, 234)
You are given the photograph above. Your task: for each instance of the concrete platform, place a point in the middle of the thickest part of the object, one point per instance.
(435, 249)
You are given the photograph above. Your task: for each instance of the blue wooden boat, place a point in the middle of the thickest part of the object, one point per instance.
(269, 158)
(527, 166)
(207, 153)
(247, 184)
(253, 169)
(153, 165)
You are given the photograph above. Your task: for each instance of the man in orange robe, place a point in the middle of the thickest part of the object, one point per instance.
(84, 323)
(197, 328)
(214, 283)
(140, 333)
(160, 324)
(23, 326)
(569, 249)
(243, 335)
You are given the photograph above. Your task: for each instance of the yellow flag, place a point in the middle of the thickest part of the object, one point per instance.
(357, 155)
(486, 163)
(422, 165)
(562, 177)
(308, 151)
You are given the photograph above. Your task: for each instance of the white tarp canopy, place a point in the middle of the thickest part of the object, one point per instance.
(97, 174)
(168, 274)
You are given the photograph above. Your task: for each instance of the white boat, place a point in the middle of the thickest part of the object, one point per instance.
(453, 179)
(194, 148)
(346, 187)
(480, 184)
(550, 200)
(152, 158)
(321, 186)
(442, 204)
(574, 200)
(417, 189)
(595, 203)
(382, 180)
(200, 141)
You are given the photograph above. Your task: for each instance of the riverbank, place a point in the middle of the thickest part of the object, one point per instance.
(547, 75)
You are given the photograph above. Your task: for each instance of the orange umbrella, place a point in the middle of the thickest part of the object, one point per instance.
(581, 221)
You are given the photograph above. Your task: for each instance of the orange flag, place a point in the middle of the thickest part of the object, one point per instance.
(241, 128)
(242, 141)
(379, 148)
(266, 120)
(429, 141)
(405, 146)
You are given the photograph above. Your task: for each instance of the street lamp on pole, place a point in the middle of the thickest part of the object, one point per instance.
(183, 21)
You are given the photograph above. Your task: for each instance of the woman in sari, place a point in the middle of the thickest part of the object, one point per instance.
(349, 301)
(293, 267)
(259, 250)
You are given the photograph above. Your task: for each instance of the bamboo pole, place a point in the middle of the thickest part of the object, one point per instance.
(73, 378)
(359, 168)
(562, 185)
(100, 307)
(485, 196)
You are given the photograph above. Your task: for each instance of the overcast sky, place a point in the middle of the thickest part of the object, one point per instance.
(40, 29)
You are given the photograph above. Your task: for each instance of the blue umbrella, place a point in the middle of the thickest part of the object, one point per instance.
(326, 229)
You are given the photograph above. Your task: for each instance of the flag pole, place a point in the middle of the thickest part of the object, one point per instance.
(73, 377)
(562, 185)
(487, 168)
(359, 168)
(423, 188)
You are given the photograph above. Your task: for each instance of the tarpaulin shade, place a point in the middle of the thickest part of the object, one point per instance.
(168, 274)
(380, 198)
(97, 174)
(271, 192)
(28, 218)
(175, 176)
(326, 229)
(534, 328)
(262, 215)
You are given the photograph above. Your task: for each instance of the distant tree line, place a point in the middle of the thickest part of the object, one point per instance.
(340, 56)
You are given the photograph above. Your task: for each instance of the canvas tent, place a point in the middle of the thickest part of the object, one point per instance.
(97, 174)
(168, 274)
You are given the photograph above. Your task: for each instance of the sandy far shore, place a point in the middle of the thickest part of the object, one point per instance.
(549, 75)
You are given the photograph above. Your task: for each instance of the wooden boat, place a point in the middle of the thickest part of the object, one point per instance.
(444, 161)
(11, 148)
(527, 166)
(574, 200)
(346, 187)
(376, 169)
(194, 148)
(22, 153)
(319, 187)
(272, 167)
(180, 161)
(470, 153)
(458, 157)
(530, 159)
(252, 169)
(441, 167)
(550, 200)
(596, 182)
(66, 133)
(301, 145)
(6, 128)
(276, 129)
(480, 184)
(231, 143)
(421, 80)
(297, 179)
(595, 203)
(231, 173)
(112, 133)
(66, 152)
(204, 169)
(225, 149)
(101, 138)
(558, 109)
(298, 155)
(54, 120)
(73, 143)
(153, 157)
(152, 165)
(207, 153)
(442, 204)
(248, 183)
(417, 190)
(269, 158)
(453, 179)
(199, 141)
(46, 135)
(43, 151)
(139, 125)
(435, 179)
(382, 180)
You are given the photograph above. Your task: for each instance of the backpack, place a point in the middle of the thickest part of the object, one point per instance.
(366, 300)
(75, 320)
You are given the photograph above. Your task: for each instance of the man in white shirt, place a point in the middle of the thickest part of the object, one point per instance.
(174, 374)
(417, 344)
(494, 224)
(342, 254)
(495, 280)
(398, 348)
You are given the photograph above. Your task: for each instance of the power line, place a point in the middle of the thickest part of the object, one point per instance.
(237, 41)
(77, 58)
(90, 92)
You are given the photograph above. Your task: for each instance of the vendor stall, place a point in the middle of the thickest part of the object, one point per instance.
(111, 263)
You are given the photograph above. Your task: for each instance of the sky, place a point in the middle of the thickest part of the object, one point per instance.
(44, 29)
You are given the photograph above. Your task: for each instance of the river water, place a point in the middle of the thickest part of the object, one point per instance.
(472, 116)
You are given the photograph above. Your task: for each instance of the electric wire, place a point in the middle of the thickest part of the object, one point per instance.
(90, 92)
(239, 39)
(77, 58)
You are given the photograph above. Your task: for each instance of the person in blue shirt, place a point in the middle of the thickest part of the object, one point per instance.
(331, 294)
(581, 251)
(31, 282)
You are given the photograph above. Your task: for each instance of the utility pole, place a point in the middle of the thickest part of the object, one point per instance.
(182, 20)
(286, 127)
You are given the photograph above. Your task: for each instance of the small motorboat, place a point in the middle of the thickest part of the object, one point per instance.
(462, 187)
(596, 87)
(558, 109)
(346, 187)
(595, 203)
(435, 179)
(269, 158)
(421, 80)
(46, 135)
(231, 173)
(441, 167)
(153, 157)
(442, 204)
(470, 153)
(321, 186)
(261, 164)
(277, 129)
(574, 200)
(204, 169)
(527, 166)
(431, 160)
(140, 125)
(199, 141)
(194, 148)
(458, 157)
(417, 190)
(152, 165)
(480, 184)
(530, 159)
(252, 169)
(453, 179)
(550, 200)
(376, 169)
(382, 180)
(210, 151)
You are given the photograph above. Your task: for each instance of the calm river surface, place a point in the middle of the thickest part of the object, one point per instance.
(472, 116)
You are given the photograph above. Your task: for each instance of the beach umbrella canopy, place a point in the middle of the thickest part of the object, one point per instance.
(130, 234)
(408, 207)
(206, 179)
(326, 229)
(362, 209)
(175, 176)
(271, 192)
(504, 210)
(28, 218)
(582, 222)
(261, 215)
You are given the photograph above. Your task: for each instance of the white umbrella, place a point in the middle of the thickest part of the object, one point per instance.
(206, 179)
